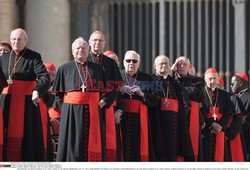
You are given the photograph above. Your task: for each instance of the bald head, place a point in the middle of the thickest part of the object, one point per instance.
(18, 39)
(161, 65)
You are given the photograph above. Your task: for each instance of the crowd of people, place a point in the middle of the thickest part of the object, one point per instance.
(108, 114)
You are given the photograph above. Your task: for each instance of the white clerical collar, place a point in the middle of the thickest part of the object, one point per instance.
(164, 76)
(80, 62)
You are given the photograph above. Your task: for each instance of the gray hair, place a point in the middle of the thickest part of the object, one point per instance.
(79, 39)
(134, 53)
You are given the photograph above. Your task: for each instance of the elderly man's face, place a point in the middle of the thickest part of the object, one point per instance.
(211, 80)
(97, 43)
(18, 41)
(80, 51)
(131, 63)
(183, 66)
(3, 49)
(162, 65)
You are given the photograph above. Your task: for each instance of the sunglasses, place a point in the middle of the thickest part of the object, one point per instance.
(133, 61)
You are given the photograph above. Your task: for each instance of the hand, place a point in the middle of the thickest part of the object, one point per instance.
(137, 90)
(217, 127)
(213, 131)
(118, 118)
(174, 66)
(102, 103)
(35, 97)
(203, 126)
(126, 89)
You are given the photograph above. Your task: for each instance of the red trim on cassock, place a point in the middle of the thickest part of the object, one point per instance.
(110, 133)
(220, 137)
(17, 89)
(236, 146)
(172, 105)
(92, 99)
(44, 119)
(54, 113)
(136, 106)
(194, 126)
(1, 134)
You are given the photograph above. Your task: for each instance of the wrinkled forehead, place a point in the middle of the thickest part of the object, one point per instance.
(211, 76)
(131, 56)
(80, 44)
(17, 34)
(162, 59)
(183, 60)
(97, 36)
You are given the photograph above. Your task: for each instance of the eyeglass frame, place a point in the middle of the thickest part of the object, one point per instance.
(134, 61)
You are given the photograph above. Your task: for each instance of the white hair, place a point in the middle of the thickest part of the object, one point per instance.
(133, 53)
(79, 39)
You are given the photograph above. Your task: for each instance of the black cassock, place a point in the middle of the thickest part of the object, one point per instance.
(3, 83)
(245, 98)
(75, 118)
(111, 75)
(213, 145)
(234, 133)
(133, 122)
(29, 70)
(194, 87)
(170, 127)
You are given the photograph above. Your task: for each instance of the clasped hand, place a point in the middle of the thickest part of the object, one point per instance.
(215, 128)
(132, 90)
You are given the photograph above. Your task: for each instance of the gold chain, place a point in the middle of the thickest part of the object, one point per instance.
(211, 102)
(11, 72)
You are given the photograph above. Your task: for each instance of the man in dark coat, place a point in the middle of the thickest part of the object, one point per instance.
(234, 134)
(239, 86)
(3, 83)
(108, 104)
(216, 110)
(77, 94)
(170, 119)
(25, 122)
(137, 100)
(194, 87)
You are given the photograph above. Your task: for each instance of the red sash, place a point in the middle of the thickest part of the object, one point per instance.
(136, 106)
(1, 134)
(194, 127)
(92, 99)
(54, 113)
(110, 133)
(169, 104)
(18, 90)
(236, 146)
(220, 137)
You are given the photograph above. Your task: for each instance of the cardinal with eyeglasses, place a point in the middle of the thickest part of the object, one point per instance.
(138, 101)
(77, 96)
(216, 109)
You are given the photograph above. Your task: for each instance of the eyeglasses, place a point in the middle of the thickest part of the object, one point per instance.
(133, 61)
(95, 40)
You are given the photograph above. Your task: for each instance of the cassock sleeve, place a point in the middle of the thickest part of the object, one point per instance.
(3, 82)
(43, 79)
(235, 127)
